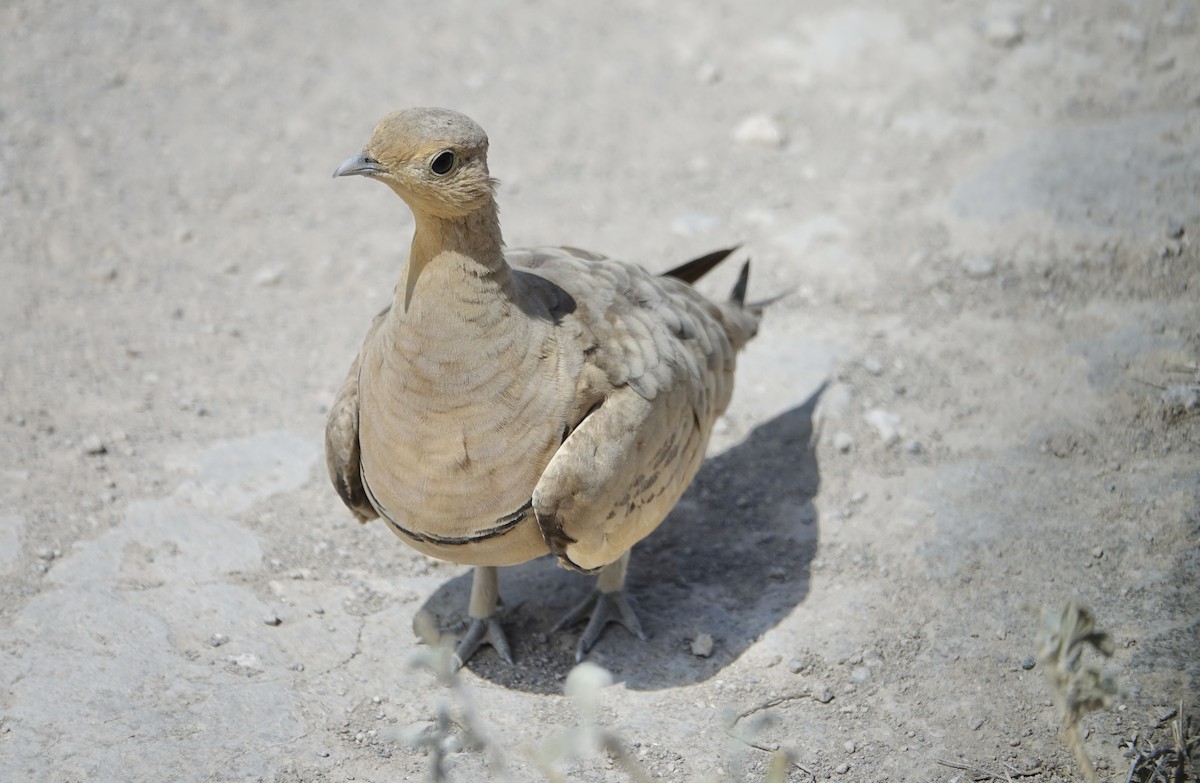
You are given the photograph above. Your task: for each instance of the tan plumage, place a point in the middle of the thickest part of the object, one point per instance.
(514, 403)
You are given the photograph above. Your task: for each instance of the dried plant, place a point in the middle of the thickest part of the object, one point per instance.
(1078, 689)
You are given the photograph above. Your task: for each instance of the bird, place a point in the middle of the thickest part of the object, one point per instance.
(515, 403)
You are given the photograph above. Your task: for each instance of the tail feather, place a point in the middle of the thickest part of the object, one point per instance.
(697, 268)
(739, 289)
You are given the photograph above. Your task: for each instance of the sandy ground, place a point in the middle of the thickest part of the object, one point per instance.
(977, 401)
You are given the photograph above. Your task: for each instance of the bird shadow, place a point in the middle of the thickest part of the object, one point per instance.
(730, 561)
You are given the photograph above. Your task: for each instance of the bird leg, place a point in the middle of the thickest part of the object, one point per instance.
(482, 626)
(607, 604)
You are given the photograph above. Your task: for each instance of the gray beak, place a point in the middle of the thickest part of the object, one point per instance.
(362, 163)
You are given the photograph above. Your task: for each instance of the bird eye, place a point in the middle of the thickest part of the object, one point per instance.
(442, 162)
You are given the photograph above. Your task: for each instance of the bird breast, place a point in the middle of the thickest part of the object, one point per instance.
(458, 419)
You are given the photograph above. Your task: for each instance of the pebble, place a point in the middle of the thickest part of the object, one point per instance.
(1028, 663)
(702, 645)
(708, 73)
(978, 267)
(269, 276)
(1175, 229)
(1004, 32)
(842, 768)
(272, 619)
(843, 442)
(849, 746)
(297, 667)
(886, 424)
(759, 129)
(796, 665)
(914, 447)
(1098, 552)
(92, 445)
(323, 754)
(218, 639)
(46, 553)
(823, 695)
(860, 674)
(691, 223)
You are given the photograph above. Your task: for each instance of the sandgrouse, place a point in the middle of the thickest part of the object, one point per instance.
(514, 403)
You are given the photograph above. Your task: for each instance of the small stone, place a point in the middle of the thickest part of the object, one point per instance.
(297, 667)
(1175, 229)
(823, 695)
(692, 223)
(796, 665)
(323, 754)
(860, 674)
(886, 424)
(1014, 742)
(708, 73)
(849, 746)
(914, 447)
(843, 442)
(842, 768)
(1028, 663)
(92, 445)
(702, 645)
(978, 267)
(269, 277)
(759, 129)
(218, 639)
(105, 274)
(1098, 552)
(1004, 32)
(272, 619)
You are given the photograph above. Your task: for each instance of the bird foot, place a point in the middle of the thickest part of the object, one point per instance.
(605, 608)
(481, 631)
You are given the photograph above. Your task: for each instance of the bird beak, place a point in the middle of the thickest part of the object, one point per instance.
(362, 163)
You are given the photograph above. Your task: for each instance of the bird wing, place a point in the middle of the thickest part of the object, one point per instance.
(341, 438)
(658, 372)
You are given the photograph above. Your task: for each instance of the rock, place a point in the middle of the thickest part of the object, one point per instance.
(849, 746)
(842, 768)
(978, 267)
(759, 129)
(702, 645)
(914, 447)
(1175, 229)
(269, 277)
(886, 424)
(708, 73)
(690, 223)
(797, 665)
(1028, 663)
(93, 446)
(1003, 31)
(843, 442)
(272, 619)
(218, 639)
(823, 694)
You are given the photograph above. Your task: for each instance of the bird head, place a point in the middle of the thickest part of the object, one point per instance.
(435, 159)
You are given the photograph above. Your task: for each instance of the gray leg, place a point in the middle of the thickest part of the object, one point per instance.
(606, 604)
(483, 627)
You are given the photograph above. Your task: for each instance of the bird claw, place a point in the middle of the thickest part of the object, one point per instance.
(481, 631)
(605, 608)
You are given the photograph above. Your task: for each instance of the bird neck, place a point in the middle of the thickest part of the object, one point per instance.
(471, 243)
